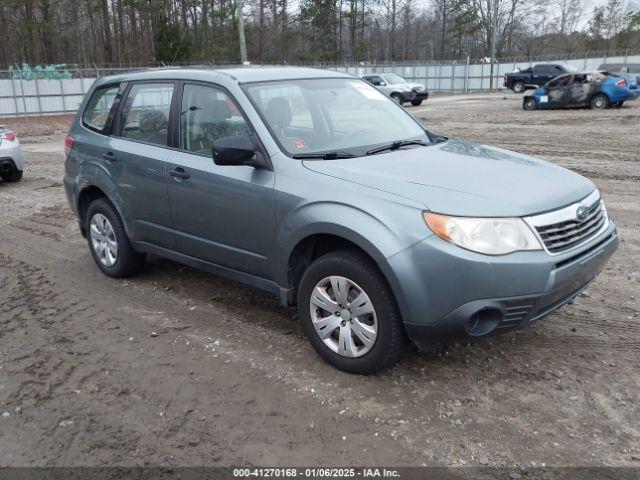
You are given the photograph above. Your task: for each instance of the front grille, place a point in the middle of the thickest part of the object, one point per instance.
(561, 236)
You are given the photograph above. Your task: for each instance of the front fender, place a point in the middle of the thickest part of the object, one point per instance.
(372, 234)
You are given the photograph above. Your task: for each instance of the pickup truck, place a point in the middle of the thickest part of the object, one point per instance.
(533, 77)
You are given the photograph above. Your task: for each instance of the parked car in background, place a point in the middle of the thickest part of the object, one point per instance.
(11, 165)
(629, 71)
(623, 69)
(398, 88)
(318, 188)
(533, 77)
(593, 89)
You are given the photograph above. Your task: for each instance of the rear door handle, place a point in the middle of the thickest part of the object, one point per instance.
(179, 172)
(109, 156)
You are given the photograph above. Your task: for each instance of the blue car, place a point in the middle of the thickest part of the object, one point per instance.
(597, 90)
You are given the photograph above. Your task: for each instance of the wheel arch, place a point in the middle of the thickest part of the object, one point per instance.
(86, 196)
(313, 245)
(88, 193)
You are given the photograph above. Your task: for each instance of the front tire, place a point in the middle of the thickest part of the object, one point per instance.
(11, 176)
(108, 241)
(349, 314)
(529, 103)
(398, 98)
(599, 102)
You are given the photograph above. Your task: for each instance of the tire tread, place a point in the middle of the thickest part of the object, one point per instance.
(129, 262)
(352, 259)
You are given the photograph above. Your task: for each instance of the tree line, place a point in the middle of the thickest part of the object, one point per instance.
(86, 32)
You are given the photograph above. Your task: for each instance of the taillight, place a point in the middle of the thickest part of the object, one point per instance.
(8, 135)
(621, 83)
(68, 145)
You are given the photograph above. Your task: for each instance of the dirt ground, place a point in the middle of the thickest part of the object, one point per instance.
(179, 367)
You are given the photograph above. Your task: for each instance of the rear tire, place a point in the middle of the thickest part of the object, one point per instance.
(126, 261)
(362, 276)
(599, 102)
(11, 176)
(518, 87)
(416, 103)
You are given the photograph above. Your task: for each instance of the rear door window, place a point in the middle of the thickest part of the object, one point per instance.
(97, 114)
(145, 114)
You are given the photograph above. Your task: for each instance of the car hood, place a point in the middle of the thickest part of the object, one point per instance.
(464, 178)
(414, 85)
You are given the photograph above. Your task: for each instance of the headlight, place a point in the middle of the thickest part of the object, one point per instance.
(491, 236)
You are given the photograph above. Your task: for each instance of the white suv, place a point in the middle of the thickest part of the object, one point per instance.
(11, 164)
(398, 88)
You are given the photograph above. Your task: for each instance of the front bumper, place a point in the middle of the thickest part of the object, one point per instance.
(442, 287)
(414, 95)
(12, 151)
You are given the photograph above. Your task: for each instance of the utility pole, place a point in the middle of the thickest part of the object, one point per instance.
(243, 44)
(494, 30)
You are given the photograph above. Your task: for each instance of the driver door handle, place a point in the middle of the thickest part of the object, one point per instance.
(179, 172)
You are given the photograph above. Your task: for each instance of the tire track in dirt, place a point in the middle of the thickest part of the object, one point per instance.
(511, 398)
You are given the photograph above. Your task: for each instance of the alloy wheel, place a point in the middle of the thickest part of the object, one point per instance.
(103, 240)
(599, 102)
(343, 316)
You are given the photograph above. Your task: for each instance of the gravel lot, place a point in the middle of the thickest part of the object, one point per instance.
(179, 367)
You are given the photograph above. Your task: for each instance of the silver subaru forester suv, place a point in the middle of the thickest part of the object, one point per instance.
(318, 188)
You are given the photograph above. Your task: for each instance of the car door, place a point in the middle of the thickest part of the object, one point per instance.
(559, 91)
(582, 89)
(136, 157)
(543, 73)
(221, 214)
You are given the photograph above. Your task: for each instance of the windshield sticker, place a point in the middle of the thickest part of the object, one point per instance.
(368, 91)
(299, 144)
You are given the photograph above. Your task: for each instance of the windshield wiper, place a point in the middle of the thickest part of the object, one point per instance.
(323, 155)
(396, 145)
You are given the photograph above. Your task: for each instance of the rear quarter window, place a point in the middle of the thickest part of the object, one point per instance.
(97, 114)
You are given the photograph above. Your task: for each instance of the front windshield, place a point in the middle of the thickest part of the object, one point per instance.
(330, 115)
(393, 79)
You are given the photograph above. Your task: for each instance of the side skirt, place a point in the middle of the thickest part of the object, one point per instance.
(251, 280)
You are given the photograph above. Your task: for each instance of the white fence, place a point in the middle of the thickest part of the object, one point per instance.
(19, 96)
(460, 76)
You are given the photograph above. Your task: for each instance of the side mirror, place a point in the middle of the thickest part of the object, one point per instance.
(236, 150)
(382, 84)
